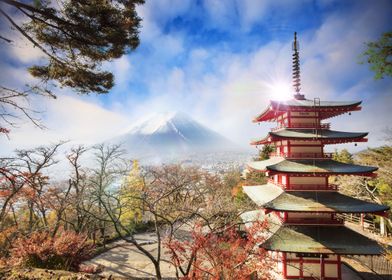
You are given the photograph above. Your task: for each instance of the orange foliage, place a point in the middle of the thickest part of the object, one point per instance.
(66, 250)
(229, 254)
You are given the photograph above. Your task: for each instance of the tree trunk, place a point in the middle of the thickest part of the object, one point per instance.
(157, 270)
(31, 215)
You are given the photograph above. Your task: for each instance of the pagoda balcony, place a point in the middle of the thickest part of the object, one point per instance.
(302, 187)
(303, 155)
(304, 125)
(314, 221)
(306, 187)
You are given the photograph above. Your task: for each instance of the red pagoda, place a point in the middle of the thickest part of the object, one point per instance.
(309, 237)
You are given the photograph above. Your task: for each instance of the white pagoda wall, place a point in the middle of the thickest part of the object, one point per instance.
(307, 180)
(308, 216)
(311, 267)
(304, 120)
(331, 270)
(300, 114)
(302, 149)
(305, 142)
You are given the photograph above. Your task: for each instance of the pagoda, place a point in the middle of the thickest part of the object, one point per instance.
(308, 234)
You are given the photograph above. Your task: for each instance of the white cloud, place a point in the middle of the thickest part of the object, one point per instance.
(20, 48)
(24, 51)
(155, 15)
(67, 118)
(122, 70)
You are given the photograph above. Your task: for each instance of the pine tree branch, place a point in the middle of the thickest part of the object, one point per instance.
(35, 10)
(28, 37)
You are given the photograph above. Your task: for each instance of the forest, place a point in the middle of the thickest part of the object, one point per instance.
(103, 196)
(44, 219)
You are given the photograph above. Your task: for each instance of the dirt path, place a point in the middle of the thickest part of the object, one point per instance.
(125, 260)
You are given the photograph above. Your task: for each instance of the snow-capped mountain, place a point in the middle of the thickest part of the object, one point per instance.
(170, 135)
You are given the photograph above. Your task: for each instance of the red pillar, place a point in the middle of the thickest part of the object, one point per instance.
(339, 268)
(287, 182)
(322, 274)
(284, 262)
(301, 267)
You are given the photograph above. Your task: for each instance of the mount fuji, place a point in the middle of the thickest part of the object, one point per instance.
(170, 135)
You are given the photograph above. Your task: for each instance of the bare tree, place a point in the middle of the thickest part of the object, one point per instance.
(111, 167)
(25, 172)
(173, 199)
(79, 190)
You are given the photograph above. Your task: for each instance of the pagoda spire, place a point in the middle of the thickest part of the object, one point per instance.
(296, 70)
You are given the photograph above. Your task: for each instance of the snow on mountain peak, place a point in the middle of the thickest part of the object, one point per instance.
(160, 122)
(171, 134)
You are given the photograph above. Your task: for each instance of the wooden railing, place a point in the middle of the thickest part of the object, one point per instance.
(303, 155)
(307, 187)
(306, 221)
(366, 224)
(303, 187)
(311, 125)
(304, 125)
(379, 265)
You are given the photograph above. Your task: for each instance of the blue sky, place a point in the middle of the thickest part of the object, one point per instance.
(221, 62)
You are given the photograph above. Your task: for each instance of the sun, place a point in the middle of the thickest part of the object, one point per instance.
(280, 90)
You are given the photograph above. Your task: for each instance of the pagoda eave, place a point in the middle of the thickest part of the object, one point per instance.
(319, 166)
(327, 115)
(327, 110)
(324, 239)
(310, 174)
(321, 239)
(310, 167)
(325, 141)
(261, 141)
(272, 198)
(268, 115)
(317, 210)
(324, 136)
(318, 174)
(310, 105)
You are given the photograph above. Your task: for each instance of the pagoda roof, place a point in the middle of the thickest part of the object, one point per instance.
(328, 109)
(274, 223)
(262, 194)
(263, 164)
(321, 239)
(322, 166)
(310, 103)
(272, 197)
(325, 135)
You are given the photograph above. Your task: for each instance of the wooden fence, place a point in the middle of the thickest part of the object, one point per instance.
(380, 265)
(367, 224)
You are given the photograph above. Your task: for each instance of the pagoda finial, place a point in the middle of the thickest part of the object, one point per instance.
(296, 70)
